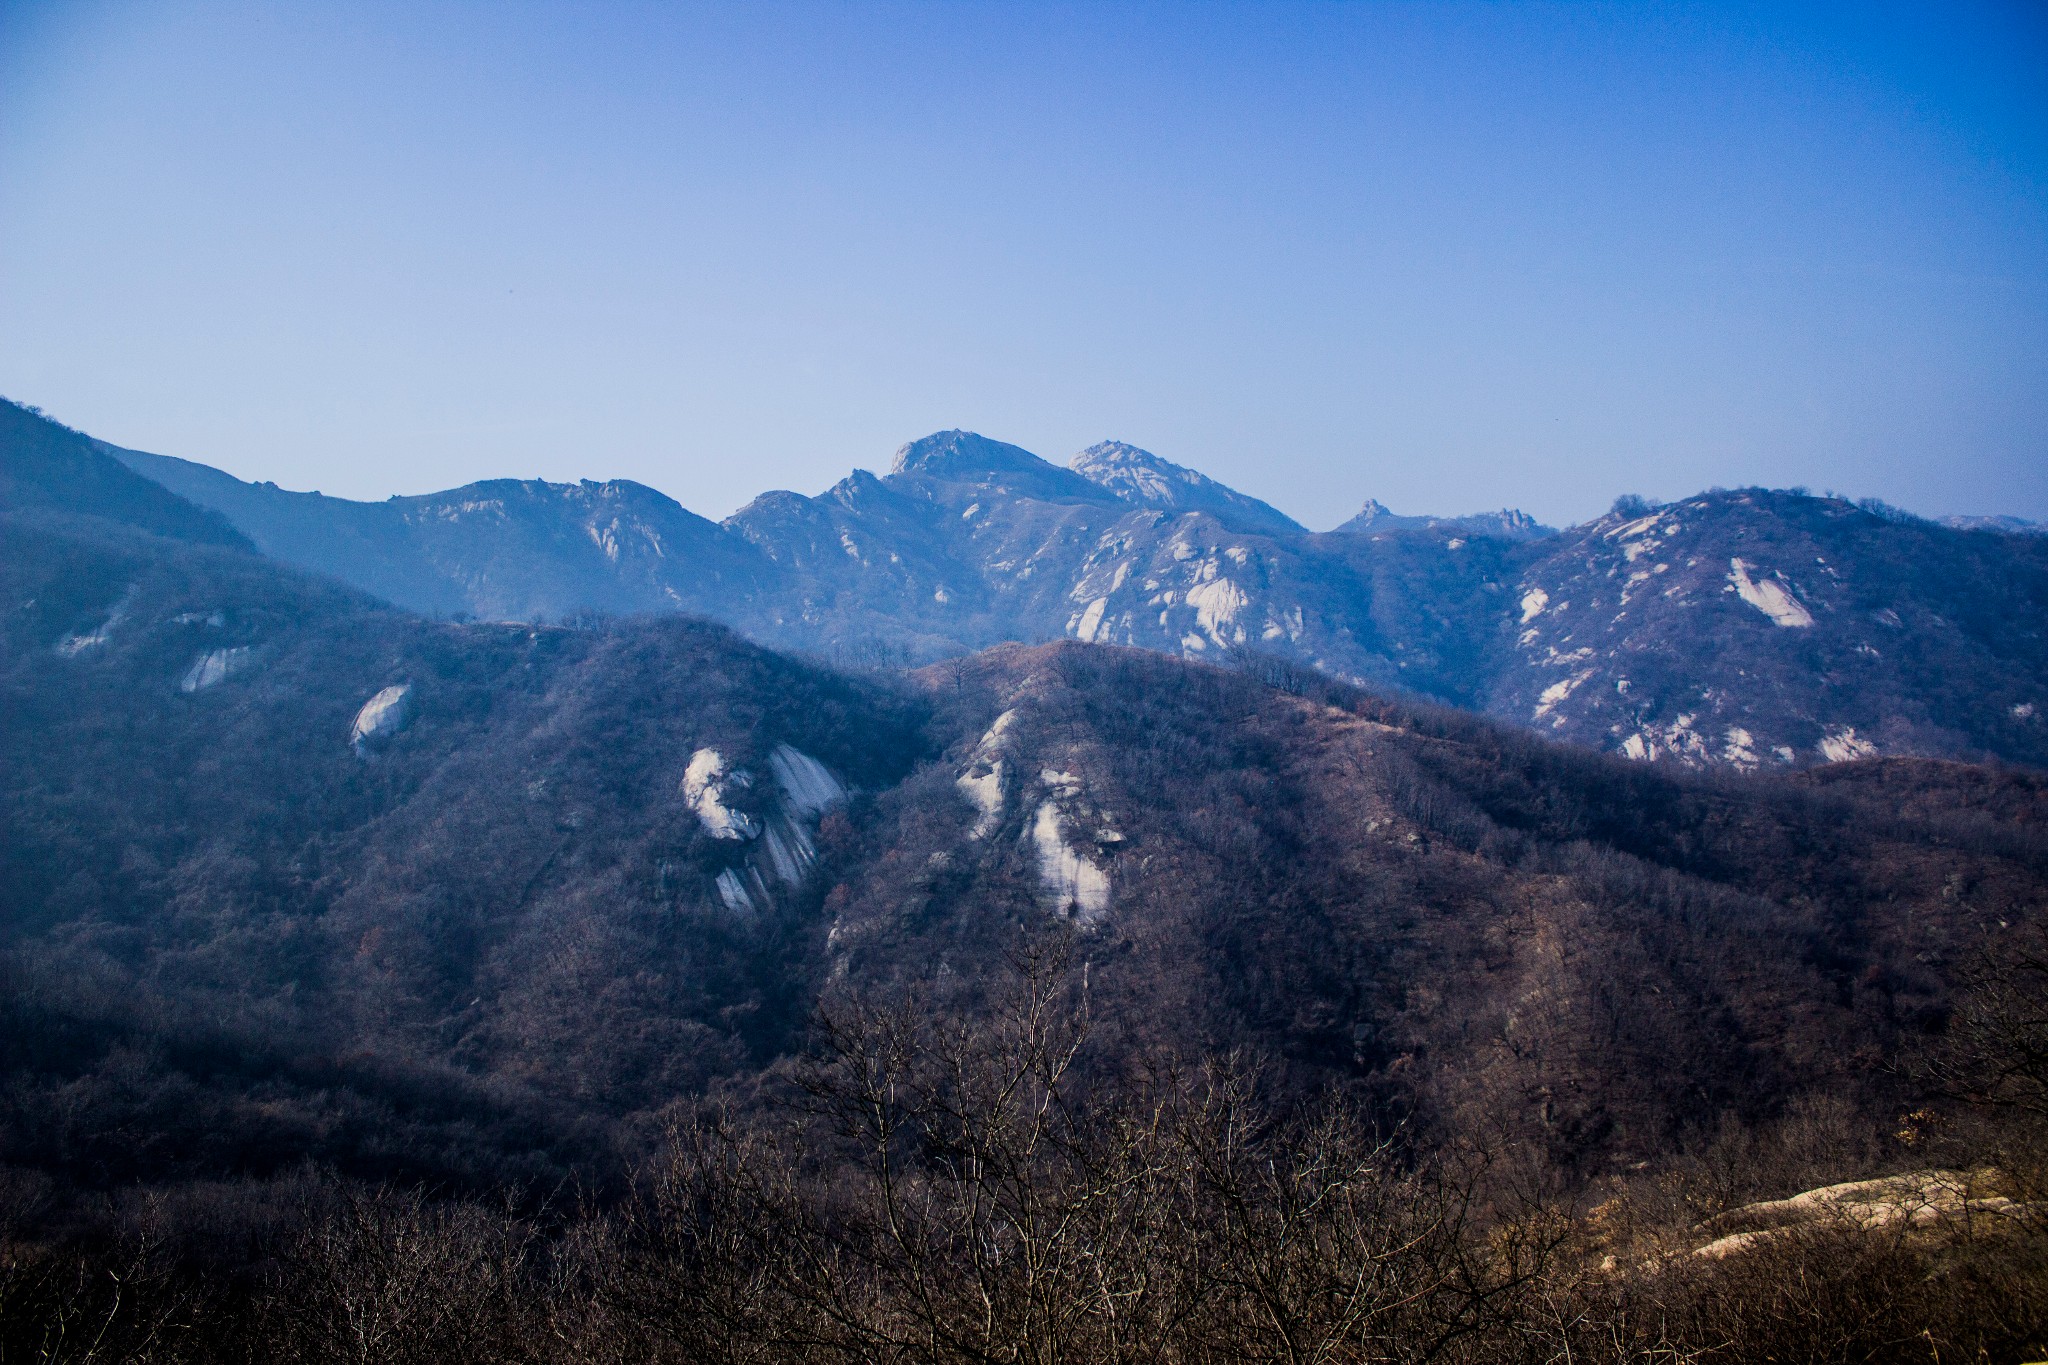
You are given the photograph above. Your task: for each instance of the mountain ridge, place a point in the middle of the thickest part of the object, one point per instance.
(583, 872)
(1509, 523)
(1140, 476)
(338, 942)
(50, 467)
(1789, 652)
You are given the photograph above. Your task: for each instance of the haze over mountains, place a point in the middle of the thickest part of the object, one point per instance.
(302, 892)
(495, 893)
(1736, 629)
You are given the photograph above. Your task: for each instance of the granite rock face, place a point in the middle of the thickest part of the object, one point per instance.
(381, 718)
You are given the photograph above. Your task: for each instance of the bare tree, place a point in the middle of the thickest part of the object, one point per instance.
(388, 1276)
(1997, 1051)
(955, 1190)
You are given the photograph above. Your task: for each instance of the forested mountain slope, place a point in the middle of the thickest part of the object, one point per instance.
(324, 926)
(291, 873)
(49, 468)
(1754, 628)
(510, 991)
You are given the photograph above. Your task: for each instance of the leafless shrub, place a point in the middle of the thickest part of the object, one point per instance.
(120, 1301)
(387, 1275)
(944, 1190)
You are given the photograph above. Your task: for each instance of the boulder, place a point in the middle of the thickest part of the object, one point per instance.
(381, 717)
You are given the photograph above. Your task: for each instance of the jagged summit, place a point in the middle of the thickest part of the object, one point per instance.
(1121, 464)
(1129, 471)
(1374, 513)
(969, 459)
(962, 455)
(1510, 523)
(1139, 476)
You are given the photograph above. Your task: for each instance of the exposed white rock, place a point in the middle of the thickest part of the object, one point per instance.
(1892, 1203)
(807, 785)
(1091, 619)
(1074, 882)
(1629, 530)
(71, 646)
(785, 836)
(705, 783)
(809, 789)
(1216, 605)
(985, 790)
(1739, 748)
(381, 717)
(2023, 711)
(982, 780)
(1287, 623)
(1677, 740)
(1841, 745)
(214, 666)
(1768, 595)
(736, 888)
(999, 731)
(790, 851)
(1533, 603)
(1060, 782)
(1547, 700)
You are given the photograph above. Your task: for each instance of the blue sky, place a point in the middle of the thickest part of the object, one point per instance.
(1448, 256)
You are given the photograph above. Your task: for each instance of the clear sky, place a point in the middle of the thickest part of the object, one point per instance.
(1449, 256)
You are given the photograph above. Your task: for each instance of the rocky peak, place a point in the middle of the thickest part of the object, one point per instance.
(970, 459)
(1139, 476)
(1125, 469)
(1510, 523)
(964, 455)
(1371, 516)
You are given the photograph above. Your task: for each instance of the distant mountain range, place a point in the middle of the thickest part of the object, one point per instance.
(2016, 526)
(1740, 629)
(299, 889)
(1508, 523)
(290, 874)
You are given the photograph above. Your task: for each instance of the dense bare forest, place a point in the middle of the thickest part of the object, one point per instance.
(927, 1185)
(378, 988)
